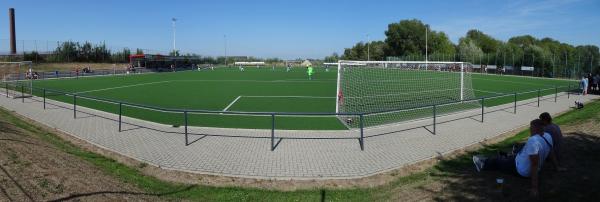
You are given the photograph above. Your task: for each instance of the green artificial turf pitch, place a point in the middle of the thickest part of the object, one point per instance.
(253, 90)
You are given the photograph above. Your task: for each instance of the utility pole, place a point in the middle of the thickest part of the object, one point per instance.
(174, 48)
(426, 46)
(368, 48)
(225, 39)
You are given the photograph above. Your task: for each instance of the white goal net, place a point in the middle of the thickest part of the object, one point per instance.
(395, 91)
(16, 74)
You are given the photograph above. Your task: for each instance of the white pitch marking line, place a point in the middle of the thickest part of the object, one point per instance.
(485, 91)
(232, 102)
(127, 86)
(287, 96)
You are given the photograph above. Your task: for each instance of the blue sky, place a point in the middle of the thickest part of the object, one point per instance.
(289, 29)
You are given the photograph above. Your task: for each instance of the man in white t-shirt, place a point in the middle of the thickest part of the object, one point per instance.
(528, 161)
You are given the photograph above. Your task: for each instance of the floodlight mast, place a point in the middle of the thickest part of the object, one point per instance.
(225, 39)
(368, 48)
(174, 48)
(426, 44)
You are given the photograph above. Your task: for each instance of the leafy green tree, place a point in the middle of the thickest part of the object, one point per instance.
(332, 58)
(174, 53)
(469, 51)
(405, 37)
(487, 43)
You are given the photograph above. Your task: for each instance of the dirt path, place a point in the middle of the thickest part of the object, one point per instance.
(31, 169)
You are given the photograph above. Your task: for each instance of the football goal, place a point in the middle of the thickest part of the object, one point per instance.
(17, 72)
(395, 91)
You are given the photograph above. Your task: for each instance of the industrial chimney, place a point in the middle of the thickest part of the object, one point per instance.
(13, 36)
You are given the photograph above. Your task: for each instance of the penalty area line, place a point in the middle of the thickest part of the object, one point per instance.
(232, 102)
(126, 86)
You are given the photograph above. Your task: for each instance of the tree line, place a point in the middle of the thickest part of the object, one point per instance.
(70, 51)
(405, 40)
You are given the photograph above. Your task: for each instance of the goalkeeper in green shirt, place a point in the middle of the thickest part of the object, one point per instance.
(310, 71)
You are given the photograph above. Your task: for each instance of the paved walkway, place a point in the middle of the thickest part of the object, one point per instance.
(299, 154)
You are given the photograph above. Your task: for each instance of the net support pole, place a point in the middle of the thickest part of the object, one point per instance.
(120, 115)
(272, 132)
(362, 132)
(185, 122)
(337, 91)
(462, 82)
(515, 108)
(482, 109)
(75, 106)
(434, 117)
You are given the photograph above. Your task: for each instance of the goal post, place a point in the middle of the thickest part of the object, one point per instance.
(15, 70)
(20, 72)
(388, 90)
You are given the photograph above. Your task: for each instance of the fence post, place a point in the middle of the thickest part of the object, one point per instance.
(434, 116)
(44, 97)
(185, 114)
(482, 105)
(74, 106)
(23, 94)
(515, 109)
(362, 132)
(538, 98)
(272, 132)
(120, 114)
(6, 84)
(569, 92)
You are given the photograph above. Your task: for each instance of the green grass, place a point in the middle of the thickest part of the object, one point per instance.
(152, 185)
(267, 90)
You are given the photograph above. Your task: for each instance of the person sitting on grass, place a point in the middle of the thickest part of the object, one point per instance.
(528, 161)
(555, 132)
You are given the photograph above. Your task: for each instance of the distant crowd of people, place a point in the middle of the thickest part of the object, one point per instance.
(590, 84)
(30, 74)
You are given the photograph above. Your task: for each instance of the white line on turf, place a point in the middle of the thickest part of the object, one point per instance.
(286, 96)
(485, 91)
(232, 102)
(515, 82)
(127, 86)
(258, 81)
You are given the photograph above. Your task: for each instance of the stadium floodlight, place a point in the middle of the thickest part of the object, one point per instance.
(174, 20)
(383, 86)
(225, 42)
(368, 48)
